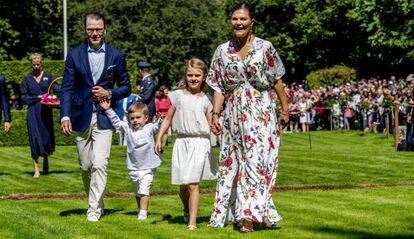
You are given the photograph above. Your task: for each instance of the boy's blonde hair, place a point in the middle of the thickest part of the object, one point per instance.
(194, 63)
(138, 107)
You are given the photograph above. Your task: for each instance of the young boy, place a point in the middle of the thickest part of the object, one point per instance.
(141, 160)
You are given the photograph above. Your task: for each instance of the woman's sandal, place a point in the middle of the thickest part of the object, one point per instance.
(191, 227)
(246, 226)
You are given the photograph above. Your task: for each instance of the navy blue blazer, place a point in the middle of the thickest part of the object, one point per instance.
(4, 101)
(76, 99)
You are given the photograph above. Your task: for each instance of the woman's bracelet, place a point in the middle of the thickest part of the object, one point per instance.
(215, 113)
(284, 112)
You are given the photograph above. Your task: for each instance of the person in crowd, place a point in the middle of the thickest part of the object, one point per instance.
(192, 158)
(347, 117)
(162, 104)
(304, 117)
(148, 88)
(142, 161)
(5, 107)
(242, 71)
(91, 71)
(39, 117)
(293, 116)
(336, 114)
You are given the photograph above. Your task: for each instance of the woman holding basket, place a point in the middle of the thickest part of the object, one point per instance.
(39, 116)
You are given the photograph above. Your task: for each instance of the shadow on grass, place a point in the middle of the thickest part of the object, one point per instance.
(4, 174)
(179, 219)
(360, 234)
(51, 172)
(82, 211)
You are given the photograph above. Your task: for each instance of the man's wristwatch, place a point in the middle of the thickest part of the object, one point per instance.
(109, 96)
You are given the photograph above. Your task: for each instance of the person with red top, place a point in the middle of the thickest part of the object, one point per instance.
(162, 104)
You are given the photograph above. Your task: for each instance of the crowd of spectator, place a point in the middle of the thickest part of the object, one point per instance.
(365, 104)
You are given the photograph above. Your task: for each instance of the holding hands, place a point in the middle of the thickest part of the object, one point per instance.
(105, 104)
(214, 122)
(99, 93)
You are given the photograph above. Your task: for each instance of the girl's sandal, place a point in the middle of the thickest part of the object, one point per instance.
(191, 227)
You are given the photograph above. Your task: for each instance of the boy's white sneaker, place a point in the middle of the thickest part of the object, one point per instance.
(92, 218)
(142, 217)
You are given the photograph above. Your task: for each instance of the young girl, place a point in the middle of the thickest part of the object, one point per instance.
(192, 159)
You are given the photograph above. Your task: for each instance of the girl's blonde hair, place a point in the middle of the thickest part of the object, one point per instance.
(194, 63)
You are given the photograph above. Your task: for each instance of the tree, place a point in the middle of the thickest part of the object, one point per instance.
(29, 26)
(164, 34)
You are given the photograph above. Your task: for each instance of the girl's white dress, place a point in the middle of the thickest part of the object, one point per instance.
(192, 158)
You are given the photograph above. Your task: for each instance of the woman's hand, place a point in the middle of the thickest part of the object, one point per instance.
(215, 125)
(284, 118)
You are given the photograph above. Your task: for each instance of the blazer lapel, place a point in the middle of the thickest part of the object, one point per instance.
(85, 58)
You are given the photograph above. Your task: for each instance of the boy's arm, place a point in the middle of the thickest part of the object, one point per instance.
(116, 122)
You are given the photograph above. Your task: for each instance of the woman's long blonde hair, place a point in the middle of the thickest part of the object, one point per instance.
(194, 63)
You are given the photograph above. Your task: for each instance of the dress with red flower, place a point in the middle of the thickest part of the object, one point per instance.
(250, 140)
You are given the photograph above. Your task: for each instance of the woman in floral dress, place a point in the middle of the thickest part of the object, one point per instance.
(242, 71)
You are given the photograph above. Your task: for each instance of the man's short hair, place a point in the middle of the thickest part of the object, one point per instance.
(95, 16)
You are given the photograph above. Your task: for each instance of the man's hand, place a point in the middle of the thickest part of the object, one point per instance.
(7, 127)
(99, 93)
(66, 127)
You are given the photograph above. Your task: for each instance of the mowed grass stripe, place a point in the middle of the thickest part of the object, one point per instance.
(350, 160)
(374, 213)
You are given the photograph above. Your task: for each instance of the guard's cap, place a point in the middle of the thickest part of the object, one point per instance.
(143, 64)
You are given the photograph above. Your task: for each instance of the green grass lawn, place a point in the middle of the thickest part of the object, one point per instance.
(336, 160)
(352, 213)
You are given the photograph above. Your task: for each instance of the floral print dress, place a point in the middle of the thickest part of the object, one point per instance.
(250, 140)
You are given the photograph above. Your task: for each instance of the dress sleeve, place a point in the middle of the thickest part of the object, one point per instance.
(208, 105)
(215, 76)
(173, 97)
(274, 66)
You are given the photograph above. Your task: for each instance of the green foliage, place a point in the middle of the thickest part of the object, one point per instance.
(330, 76)
(18, 136)
(8, 38)
(387, 26)
(34, 26)
(374, 37)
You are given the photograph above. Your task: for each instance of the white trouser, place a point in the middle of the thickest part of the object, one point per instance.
(94, 147)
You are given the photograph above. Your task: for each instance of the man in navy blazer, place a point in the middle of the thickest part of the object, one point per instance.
(91, 71)
(4, 101)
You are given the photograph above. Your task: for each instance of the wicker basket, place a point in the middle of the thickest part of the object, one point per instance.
(48, 101)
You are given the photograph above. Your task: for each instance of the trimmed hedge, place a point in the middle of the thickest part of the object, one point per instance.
(18, 135)
(329, 76)
(14, 71)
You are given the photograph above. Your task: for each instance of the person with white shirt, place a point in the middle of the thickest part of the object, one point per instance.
(141, 159)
